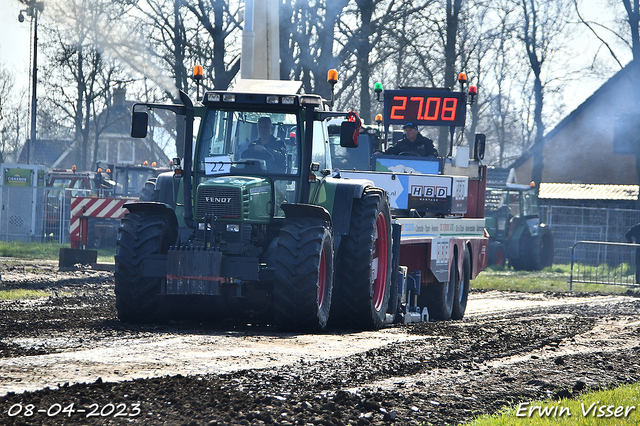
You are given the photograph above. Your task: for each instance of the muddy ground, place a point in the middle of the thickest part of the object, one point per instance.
(66, 359)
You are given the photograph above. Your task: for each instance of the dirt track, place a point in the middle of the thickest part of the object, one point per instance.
(71, 349)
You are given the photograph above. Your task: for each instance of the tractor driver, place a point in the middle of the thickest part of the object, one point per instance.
(413, 142)
(267, 147)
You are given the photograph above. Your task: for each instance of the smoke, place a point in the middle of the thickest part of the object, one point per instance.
(114, 34)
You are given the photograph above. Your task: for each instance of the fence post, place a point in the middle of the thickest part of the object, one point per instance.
(571, 274)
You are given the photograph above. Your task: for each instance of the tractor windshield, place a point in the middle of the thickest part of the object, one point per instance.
(511, 201)
(248, 142)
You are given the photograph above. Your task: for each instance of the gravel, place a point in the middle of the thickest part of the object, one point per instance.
(68, 352)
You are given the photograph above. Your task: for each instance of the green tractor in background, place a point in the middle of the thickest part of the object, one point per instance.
(516, 233)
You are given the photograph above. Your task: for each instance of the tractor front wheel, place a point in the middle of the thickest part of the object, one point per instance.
(139, 235)
(303, 275)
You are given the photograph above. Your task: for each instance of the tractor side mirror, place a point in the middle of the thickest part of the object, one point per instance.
(478, 146)
(348, 134)
(139, 123)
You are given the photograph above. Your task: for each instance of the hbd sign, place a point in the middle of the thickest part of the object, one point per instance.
(428, 191)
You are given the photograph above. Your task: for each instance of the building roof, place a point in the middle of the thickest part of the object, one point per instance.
(45, 151)
(588, 191)
(499, 177)
(575, 113)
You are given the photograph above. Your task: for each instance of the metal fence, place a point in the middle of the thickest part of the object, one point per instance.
(599, 262)
(573, 224)
(36, 214)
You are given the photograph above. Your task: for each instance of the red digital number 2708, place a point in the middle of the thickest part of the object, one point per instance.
(428, 109)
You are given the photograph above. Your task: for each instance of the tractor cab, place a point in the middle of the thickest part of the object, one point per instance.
(516, 232)
(508, 206)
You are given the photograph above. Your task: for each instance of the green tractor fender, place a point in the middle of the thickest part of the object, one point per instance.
(153, 208)
(336, 195)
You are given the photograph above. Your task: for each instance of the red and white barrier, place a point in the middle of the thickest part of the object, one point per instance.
(82, 208)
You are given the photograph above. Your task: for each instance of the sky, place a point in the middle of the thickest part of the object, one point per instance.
(15, 42)
(15, 49)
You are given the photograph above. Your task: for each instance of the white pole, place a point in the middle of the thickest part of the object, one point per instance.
(248, 42)
(273, 40)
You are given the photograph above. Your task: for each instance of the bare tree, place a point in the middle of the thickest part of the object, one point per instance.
(79, 77)
(504, 68)
(10, 117)
(543, 24)
(307, 34)
(72, 86)
(216, 48)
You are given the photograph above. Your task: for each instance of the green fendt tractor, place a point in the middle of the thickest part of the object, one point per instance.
(515, 231)
(256, 231)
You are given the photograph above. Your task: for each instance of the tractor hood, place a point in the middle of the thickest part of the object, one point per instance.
(235, 199)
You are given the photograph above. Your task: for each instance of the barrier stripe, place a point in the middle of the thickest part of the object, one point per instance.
(108, 208)
(104, 208)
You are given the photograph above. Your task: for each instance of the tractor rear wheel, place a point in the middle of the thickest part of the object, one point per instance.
(546, 246)
(363, 274)
(530, 253)
(303, 275)
(462, 288)
(148, 192)
(139, 235)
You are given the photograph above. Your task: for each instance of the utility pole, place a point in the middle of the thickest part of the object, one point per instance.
(33, 9)
(261, 40)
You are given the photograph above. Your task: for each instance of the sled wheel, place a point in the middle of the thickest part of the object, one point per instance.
(303, 275)
(439, 297)
(462, 288)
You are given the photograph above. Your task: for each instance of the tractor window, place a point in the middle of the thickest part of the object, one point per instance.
(529, 203)
(61, 183)
(248, 142)
(495, 199)
(319, 140)
(514, 203)
(285, 192)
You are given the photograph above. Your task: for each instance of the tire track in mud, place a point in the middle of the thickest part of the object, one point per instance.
(510, 347)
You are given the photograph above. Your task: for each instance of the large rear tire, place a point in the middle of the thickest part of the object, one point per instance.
(303, 275)
(363, 274)
(546, 246)
(530, 253)
(139, 235)
(148, 192)
(462, 288)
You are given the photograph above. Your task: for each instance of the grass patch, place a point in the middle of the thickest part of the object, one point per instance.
(594, 408)
(17, 294)
(45, 251)
(554, 278)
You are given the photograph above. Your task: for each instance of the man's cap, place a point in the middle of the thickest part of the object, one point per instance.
(412, 125)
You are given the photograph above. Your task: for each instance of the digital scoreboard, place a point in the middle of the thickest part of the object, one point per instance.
(426, 107)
